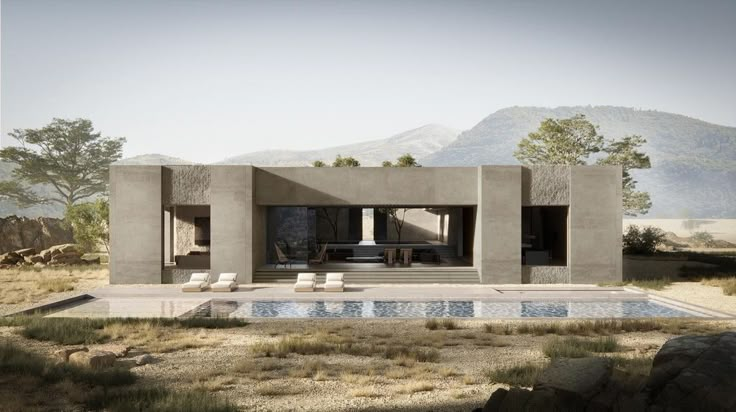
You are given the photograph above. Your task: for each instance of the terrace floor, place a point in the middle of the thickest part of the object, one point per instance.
(170, 301)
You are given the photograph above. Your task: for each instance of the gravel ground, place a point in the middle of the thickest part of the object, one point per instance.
(464, 350)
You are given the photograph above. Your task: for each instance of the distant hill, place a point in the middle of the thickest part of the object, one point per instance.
(8, 208)
(693, 170)
(153, 159)
(420, 142)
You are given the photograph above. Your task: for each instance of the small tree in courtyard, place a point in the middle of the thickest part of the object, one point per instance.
(89, 223)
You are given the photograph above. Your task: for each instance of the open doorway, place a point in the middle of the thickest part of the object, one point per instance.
(544, 235)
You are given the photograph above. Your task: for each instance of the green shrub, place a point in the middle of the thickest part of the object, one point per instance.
(642, 241)
(524, 374)
(158, 399)
(65, 331)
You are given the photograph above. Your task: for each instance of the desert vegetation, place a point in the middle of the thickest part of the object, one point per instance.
(24, 285)
(225, 364)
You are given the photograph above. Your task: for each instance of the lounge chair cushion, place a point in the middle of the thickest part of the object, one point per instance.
(306, 277)
(200, 277)
(334, 286)
(304, 286)
(195, 286)
(333, 277)
(224, 286)
(227, 277)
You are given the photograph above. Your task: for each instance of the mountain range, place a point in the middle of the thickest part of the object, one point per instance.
(693, 172)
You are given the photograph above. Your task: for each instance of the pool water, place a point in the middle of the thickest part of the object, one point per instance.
(438, 309)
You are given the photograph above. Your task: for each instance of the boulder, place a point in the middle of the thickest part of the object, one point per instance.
(33, 259)
(92, 261)
(39, 265)
(46, 255)
(695, 373)
(10, 258)
(144, 359)
(62, 355)
(118, 350)
(576, 378)
(66, 258)
(39, 233)
(92, 359)
(26, 252)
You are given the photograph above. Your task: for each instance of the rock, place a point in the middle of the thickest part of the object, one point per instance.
(10, 258)
(92, 261)
(26, 252)
(144, 359)
(494, 402)
(62, 355)
(92, 359)
(33, 259)
(118, 350)
(40, 233)
(66, 258)
(583, 377)
(695, 373)
(67, 248)
(39, 265)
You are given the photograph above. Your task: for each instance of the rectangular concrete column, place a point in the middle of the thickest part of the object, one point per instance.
(231, 221)
(595, 224)
(136, 224)
(497, 245)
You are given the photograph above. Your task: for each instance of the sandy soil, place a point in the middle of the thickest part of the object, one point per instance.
(26, 287)
(710, 297)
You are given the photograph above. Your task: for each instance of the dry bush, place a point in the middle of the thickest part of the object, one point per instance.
(157, 338)
(365, 393)
(271, 389)
(728, 285)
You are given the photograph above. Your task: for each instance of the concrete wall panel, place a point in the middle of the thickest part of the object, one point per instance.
(314, 186)
(186, 185)
(498, 245)
(136, 224)
(595, 224)
(231, 218)
(545, 185)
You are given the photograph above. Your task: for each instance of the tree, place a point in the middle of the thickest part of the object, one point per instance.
(397, 221)
(572, 141)
(318, 163)
(349, 161)
(703, 239)
(405, 160)
(625, 152)
(560, 142)
(67, 155)
(642, 241)
(89, 223)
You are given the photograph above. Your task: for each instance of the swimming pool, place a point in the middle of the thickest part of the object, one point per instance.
(438, 309)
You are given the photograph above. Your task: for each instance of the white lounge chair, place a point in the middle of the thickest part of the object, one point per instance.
(334, 282)
(197, 283)
(226, 283)
(305, 282)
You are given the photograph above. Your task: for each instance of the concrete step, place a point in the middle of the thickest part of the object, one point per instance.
(466, 276)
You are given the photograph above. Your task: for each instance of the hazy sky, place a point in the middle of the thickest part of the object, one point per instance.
(205, 80)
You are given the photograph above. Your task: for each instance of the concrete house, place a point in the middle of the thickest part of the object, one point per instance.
(486, 224)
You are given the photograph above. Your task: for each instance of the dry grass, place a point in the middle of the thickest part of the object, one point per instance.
(415, 387)
(27, 285)
(574, 347)
(600, 327)
(155, 338)
(728, 285)
(445, 323)
(522, 374)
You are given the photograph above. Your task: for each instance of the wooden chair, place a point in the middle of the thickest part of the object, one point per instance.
(321, 256)
(281, 258)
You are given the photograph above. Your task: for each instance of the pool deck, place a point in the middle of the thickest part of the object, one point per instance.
(170, 301)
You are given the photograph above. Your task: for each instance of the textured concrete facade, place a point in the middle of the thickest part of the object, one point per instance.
(136, 224)
(239, 197)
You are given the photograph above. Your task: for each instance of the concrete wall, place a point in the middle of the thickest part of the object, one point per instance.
(595, 224)
(497, 246)
(365, 186)
(136, 224)
(186, 185)
(231, 221)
